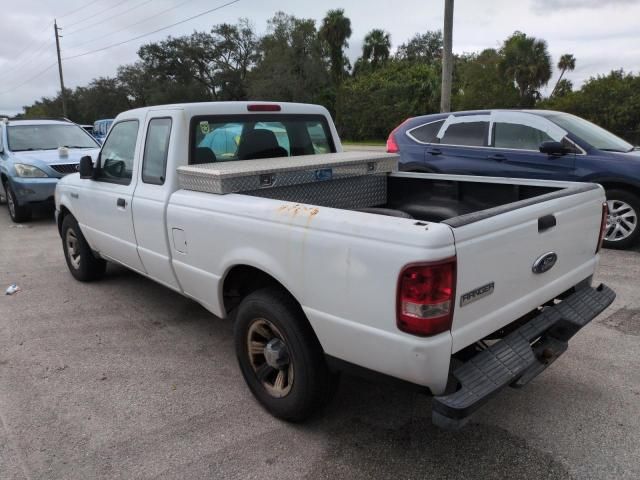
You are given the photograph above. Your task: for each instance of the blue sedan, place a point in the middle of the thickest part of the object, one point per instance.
(531, 144)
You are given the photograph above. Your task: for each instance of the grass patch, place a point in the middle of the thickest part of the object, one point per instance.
(368, 143)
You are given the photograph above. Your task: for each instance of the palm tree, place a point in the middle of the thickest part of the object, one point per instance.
(566, 62)
(377, 47)
(527, 62)
(335, 30)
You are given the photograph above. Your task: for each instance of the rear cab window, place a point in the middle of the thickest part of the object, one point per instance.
(247, 137)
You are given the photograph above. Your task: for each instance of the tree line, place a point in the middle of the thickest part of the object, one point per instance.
(298, 60)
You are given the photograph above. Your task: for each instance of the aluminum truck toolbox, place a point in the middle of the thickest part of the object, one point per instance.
(251, 175)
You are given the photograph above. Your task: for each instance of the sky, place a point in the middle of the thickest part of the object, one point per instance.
(601, 34)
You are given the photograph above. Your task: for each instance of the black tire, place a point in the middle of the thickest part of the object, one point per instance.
(17, 213)
(312, 383)
(82, 263)
(616, 198)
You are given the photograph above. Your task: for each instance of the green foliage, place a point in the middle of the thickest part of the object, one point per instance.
(479, 82)
(425, 47)
(526, 61)
(292, 65)
(611, 101)
(370, 105)
(295, 61)
(334, 32)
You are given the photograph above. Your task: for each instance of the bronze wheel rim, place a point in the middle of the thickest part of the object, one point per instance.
(269, 357)
(73, 248)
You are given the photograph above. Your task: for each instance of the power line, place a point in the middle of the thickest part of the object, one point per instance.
(131, 25)
(23, 82)
(151, 33)
(25, 60)
(102, 20)
(97, 13)
(76, 10)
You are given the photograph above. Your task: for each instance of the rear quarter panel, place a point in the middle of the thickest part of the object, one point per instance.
(342, 266)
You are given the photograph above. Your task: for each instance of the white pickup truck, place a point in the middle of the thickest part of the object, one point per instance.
(327, 259)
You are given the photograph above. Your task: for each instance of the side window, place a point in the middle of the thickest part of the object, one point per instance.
(516, 136)
(156, 148)
(426, 133)
(466, 133)
(116, 156)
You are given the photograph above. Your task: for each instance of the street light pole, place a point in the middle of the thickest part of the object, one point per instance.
(447, 58)
(62, 94)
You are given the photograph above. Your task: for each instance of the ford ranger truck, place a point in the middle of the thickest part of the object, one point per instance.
(324, 259)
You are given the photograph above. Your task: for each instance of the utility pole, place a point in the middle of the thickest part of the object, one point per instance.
(62, 94)
(447, 58)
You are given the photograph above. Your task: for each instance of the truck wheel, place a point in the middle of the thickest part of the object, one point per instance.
(280, 357)
(17, 213)
(622, 229)
(83, 265)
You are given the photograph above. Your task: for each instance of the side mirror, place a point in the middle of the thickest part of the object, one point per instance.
(86, 167)
(553, 148)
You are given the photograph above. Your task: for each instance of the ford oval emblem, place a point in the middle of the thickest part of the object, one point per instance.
(544, 263)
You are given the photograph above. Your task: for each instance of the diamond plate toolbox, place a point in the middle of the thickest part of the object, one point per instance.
(252, 175)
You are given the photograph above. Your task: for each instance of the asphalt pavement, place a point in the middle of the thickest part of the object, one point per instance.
(123, 378)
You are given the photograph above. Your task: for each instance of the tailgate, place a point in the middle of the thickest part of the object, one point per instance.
(496, 251)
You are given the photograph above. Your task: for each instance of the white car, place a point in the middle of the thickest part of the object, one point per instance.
(328, 260)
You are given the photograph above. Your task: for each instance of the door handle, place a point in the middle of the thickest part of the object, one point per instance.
(498, 157)
(121, 203)
(435, 151)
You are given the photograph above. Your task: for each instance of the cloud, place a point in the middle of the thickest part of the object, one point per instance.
(542, 6)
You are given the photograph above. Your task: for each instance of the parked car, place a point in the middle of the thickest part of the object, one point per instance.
(34, 155)
(101, 128)
(330, 260)
(530, 144)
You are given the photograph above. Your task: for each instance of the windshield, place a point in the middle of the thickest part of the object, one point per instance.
(22, 138)
(594, 135)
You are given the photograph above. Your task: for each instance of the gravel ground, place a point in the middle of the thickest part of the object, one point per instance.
(126, 379)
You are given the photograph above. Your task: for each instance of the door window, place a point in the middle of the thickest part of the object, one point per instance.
(517, 136)
(156, 148)
(116, 157)
(472, 134)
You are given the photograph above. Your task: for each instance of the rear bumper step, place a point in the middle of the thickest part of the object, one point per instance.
(514, 360)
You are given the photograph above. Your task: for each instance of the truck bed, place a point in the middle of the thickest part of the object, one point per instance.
(369, 182)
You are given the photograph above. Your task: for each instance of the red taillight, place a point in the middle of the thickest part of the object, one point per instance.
(264, 107)
(426, 296)
(603, 225)
(392, 145)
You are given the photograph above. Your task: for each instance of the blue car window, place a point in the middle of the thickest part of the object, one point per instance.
(520, 137)
(466, 133)
(426, 133)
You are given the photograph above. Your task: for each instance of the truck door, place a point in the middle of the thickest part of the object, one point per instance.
(107, 219)
(516, 139)
(151, 196)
